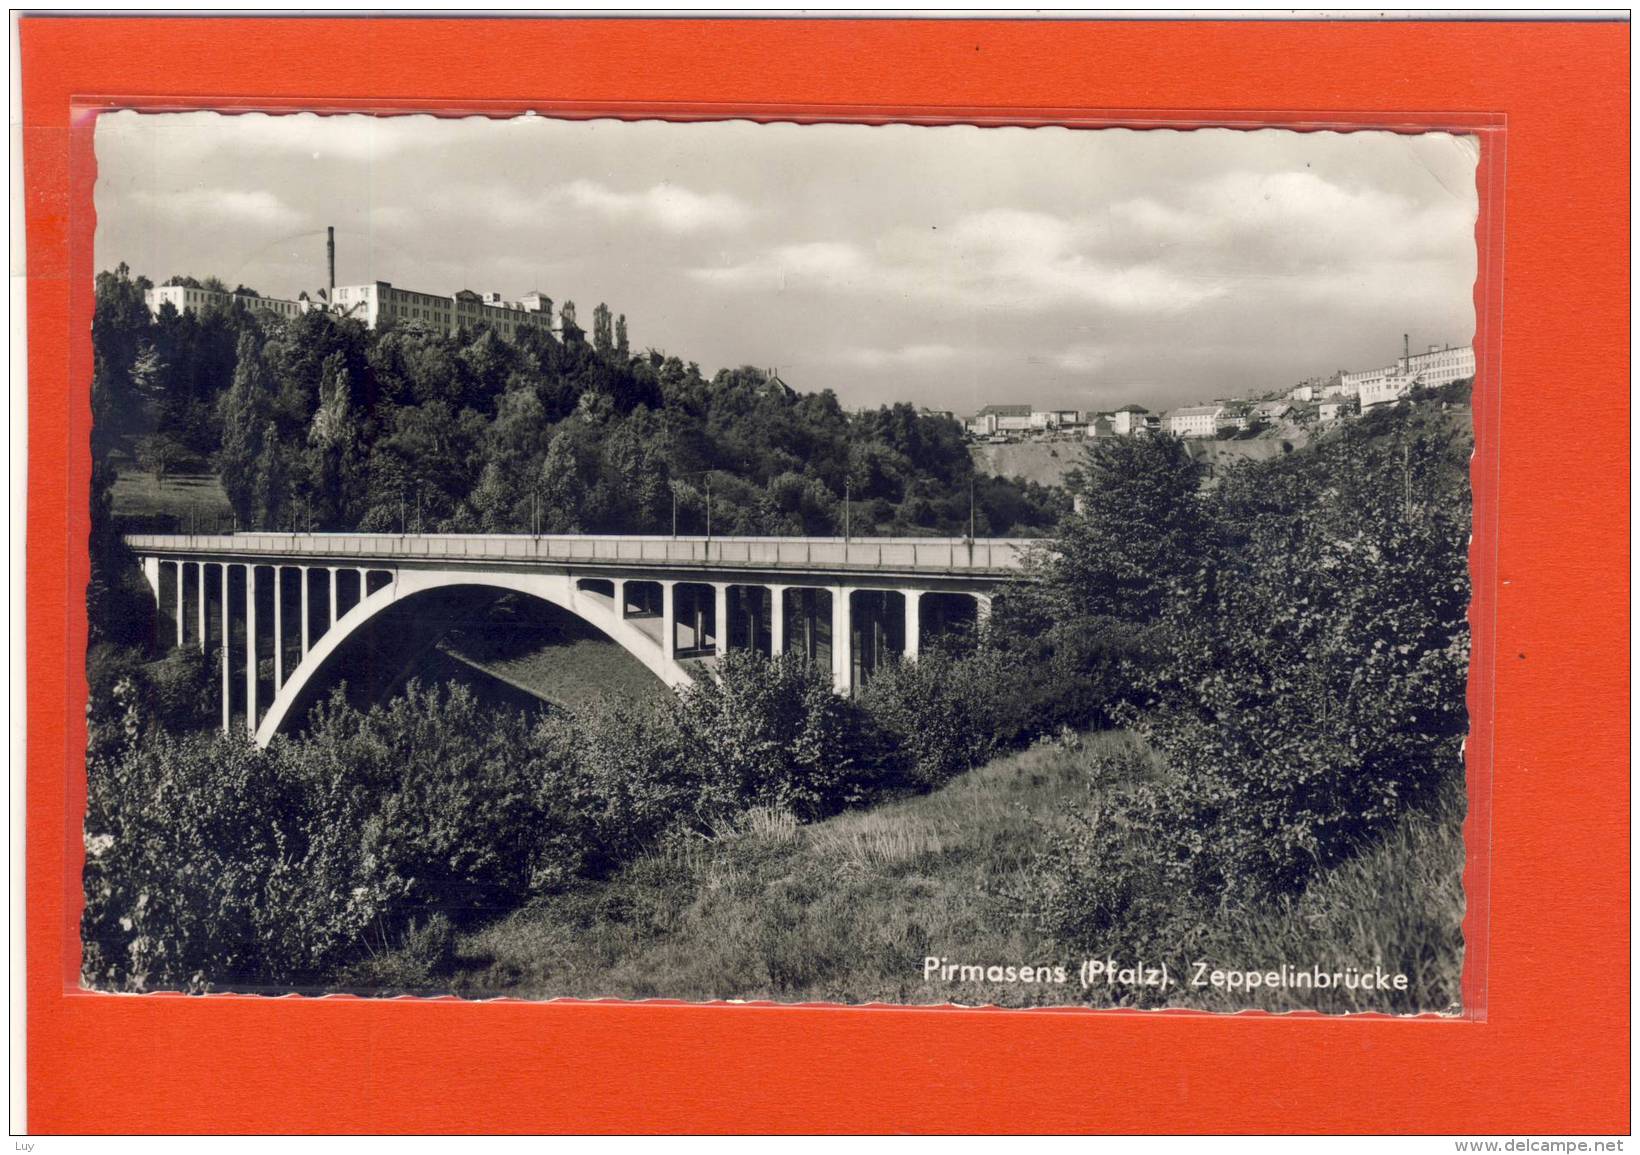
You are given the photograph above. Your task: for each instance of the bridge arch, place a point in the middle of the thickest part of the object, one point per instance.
(561, 590)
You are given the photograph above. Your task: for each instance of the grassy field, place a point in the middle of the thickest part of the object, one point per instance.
(848, 910)
(189, 497)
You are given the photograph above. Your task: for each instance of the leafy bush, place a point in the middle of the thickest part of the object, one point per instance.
(769, 733)
(211, 863)
(608, 783)
(942, 714)
(452, 816)
(204, 863)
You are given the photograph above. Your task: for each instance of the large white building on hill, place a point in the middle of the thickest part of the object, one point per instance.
(381, 302)
(1439, 365)
(184, 299)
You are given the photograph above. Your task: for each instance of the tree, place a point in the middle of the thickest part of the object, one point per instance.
(622, 350)
(602, 341)
(273, 481)
(572, 333)
(333, 439)
(119, 329)
(148, 376)
(244, 411)
(561, 487)
(1139, 530)
(159, 454)
(119, 605)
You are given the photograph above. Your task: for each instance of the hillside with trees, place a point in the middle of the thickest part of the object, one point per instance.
(317, 422)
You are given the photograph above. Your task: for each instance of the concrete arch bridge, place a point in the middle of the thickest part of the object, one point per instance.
(289, 614)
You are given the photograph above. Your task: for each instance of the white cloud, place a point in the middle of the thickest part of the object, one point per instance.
(1272, 221)
(991, 261)
(240, 208)
(1080, 358)
(906, 356)
(188, 137)
(670, 207)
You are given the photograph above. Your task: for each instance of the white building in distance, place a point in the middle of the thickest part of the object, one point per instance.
(184, 299)
(1354, 383)
(1384, 390)
(1439, 365)
(1195, 421)
(995, 419)
(1128, 420)
(379, 303)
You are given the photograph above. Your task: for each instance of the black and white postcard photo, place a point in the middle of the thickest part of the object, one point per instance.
(538, 558)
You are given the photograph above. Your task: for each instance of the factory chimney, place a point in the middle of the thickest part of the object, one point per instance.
(1406, 342)
(330, 252)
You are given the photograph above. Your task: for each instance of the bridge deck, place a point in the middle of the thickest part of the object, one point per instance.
(993, 556)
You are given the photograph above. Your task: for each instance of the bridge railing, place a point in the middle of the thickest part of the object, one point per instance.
(945, 555)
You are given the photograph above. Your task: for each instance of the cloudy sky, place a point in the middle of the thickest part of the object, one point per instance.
(951, 267)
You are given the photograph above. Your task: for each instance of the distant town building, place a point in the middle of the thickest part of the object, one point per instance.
(1354, 383)
(190, 300)
(1234, 417)
(1101, 425)
(1195, 421)
(994, 419)
(1384, 390)
(1271, 411)
(1332, 410)
(1129, 419)
(1303, 393)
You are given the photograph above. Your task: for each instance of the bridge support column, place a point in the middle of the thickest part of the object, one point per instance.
(150, 570)
(720, 617)
(303, 570)
(278, 627)
(982, 609)
(199, 589)
(913, 624)
(669, 628)
(842, 641)
(620, 599)
(227, 686)
(182, 618)
(777, 621)
(250, 648)
(335, 586)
